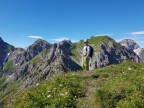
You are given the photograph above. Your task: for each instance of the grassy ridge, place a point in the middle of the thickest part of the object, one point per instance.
(99, 39)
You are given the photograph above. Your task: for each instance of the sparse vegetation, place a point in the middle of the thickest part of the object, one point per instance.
(9, 66)
(35, 60)
(44, 52)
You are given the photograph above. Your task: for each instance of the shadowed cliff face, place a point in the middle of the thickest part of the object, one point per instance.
(5, 50)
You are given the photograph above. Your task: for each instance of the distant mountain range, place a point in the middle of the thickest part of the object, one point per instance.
(42, 60)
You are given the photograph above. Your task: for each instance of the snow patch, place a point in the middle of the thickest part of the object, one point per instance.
(6, 58)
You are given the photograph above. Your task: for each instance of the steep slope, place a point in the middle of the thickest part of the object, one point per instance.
(5, 50)
(129, 44)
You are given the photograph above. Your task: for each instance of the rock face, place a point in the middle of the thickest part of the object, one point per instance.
(112, 53)
(129, 44)
(5, 50)
(51, 61)
(140, 53)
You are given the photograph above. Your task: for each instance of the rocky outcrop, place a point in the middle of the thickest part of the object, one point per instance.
(112, 53)
(129, 44)
(140, 53)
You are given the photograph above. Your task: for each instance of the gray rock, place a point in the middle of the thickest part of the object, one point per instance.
(112, 53)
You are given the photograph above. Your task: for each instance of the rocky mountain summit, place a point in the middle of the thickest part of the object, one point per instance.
(133, 46)
(129, 44)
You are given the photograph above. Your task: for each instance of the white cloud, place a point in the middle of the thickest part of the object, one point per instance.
(60, 39)
(63, 38)
(137, 33)
(36, 37)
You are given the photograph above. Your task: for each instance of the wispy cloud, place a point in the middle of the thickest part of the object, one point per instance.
(60, 39)
(36, 37)
(63, 38)
(137, 33)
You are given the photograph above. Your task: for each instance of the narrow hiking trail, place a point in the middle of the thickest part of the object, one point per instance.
(89, 100)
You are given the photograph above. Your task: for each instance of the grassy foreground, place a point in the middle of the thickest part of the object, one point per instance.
(115, 86)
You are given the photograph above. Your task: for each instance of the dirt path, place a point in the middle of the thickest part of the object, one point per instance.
(89, 100)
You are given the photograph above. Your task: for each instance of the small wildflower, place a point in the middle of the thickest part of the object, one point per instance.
(54, 88)
(48, 91)
(37, 84)
(48, 96)
(66, 93)
(60, 85)
(61, 94)
(73, 74)
(129, 69)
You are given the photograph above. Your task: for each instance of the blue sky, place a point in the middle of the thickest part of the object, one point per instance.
(24, 21)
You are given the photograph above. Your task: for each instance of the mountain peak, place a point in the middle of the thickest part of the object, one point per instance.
(100, 39)
(1, 39)
(129, 44)
(40, 41)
